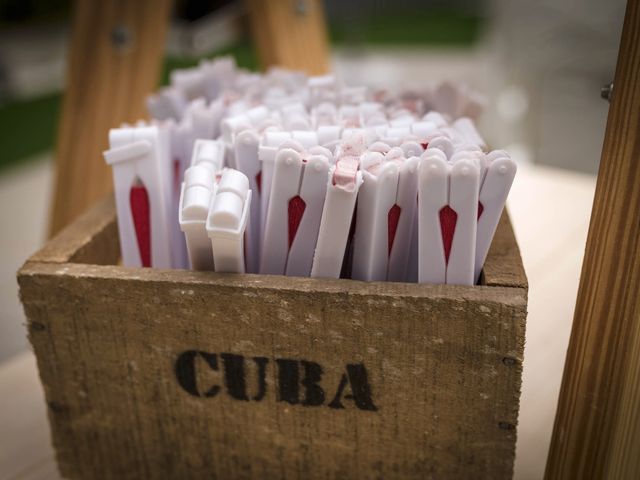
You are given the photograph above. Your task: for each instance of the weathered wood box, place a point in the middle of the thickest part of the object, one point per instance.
(177, 374)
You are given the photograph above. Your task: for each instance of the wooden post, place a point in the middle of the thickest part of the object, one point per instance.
(290, 33)
(117, 47)
(597, 425)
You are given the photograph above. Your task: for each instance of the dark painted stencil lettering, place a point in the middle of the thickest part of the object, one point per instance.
(261, 363)
(356, 377)
(298, 382)
(288, 380)
(234, 375)
(185, 369)
(313, 392)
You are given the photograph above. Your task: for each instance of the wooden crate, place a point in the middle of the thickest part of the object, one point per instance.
(177, 374)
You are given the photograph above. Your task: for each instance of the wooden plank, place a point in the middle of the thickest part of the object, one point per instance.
(597, 426)
(117, 48)
(91, 238)
(503, 266)
(443, 369)
(290, 34)
(443, 363)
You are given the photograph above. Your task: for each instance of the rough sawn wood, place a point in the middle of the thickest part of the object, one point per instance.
(154, 373)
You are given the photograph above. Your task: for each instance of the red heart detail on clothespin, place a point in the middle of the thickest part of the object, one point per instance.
(393, 217)
(297, 207)
(448, 220)
(141, 214)
(259, 181)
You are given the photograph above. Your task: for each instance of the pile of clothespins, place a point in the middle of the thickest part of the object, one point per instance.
(280, 173)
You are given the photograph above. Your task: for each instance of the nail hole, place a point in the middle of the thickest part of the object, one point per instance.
(508, 361)
(121, 37)
(37, 326)
(300, 7)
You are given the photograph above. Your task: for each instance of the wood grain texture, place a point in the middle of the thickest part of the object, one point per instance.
(290, 34)
(91, 238)
(503, 266)
(597, 425)
(106, 85)
(444, 366)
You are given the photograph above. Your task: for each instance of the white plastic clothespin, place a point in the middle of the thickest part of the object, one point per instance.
(367, 135)
(423, 131)
(448, 212)
(182, 141)
(169, 102)
(376, 215)
(413, 261)
(349, 116)
(324, 114)
(240, 119)
(329, 136)
(227, 221)
(198, 189)
(250, 118)
(218, 75)
(322, 88)
(405, 231)
(372, 111)
(435, 117)
(209, 152)
(136, 156)
(353, 95)
(394, 136)
(197, 192)
(379, 147)
(412, 148)
(442, 143)
(468, 131)
(205, 118)
(405, 120)
(494, 190)
(337, 213)
(245, 147)
(295, 117)
(295, 209)
(172, 168)
(190, 81)
(269, 146)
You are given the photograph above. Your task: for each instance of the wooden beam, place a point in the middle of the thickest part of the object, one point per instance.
(290, 33)
(597, 425)
(117, 47)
